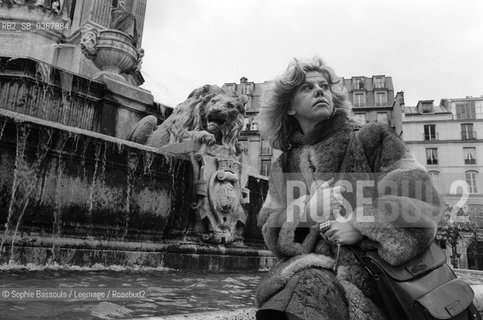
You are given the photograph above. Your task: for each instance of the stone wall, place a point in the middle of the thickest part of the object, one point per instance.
(35, 88)
(70, 196)
(57, 181)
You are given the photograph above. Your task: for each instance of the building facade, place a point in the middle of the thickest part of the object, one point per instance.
(373, 99)
(447, 139)
(260, 154)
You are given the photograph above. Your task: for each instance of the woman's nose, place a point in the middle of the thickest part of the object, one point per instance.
(319, 92)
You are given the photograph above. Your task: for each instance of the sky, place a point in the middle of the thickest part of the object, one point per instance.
(432, 49)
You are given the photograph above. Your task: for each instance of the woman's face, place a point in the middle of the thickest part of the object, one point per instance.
(312, 101)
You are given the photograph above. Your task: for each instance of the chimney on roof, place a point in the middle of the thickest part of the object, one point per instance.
(243, 80)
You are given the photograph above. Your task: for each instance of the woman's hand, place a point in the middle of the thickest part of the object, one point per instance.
(343, 233)
(323, 201)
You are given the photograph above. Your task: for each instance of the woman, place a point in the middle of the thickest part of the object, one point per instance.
(306, 114)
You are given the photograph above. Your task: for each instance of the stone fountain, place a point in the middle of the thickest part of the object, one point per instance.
(75, 191)
(93, 171)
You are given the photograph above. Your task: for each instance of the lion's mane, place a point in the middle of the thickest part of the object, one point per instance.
(203, 105)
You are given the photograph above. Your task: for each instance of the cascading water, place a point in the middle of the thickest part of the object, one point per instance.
(3, 123)
(90, 201)
(132, 163)
(82, 197)
(57, 222)
(20, 184)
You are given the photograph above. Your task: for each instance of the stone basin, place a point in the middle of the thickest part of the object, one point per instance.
(115, 52)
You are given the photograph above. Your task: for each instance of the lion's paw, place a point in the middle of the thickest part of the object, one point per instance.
(205, 137)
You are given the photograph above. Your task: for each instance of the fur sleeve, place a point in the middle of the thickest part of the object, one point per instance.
(280, 232)
(406, 208)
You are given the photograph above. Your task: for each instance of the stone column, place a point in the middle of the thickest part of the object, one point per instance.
(100, 12)
(139, 11)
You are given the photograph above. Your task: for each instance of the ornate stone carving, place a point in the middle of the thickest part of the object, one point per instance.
(52, 5)
(89, 41)
(111, 51)
(221, 192)
(213, 119)
(124, 21)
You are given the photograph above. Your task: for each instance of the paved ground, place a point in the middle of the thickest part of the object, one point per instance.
(239, 314)
(169, 295)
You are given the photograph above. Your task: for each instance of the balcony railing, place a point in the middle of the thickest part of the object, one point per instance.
(379, 85)
(358, 84)
(468, 135)
(266, 151)
(431, 136)
(431, 161)
(470, 161)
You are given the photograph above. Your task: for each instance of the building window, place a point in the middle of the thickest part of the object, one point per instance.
(434, 175)
(475, 255)
(265, 147)
(467, 132)
(432, 156)
(426, 107)
(254, 125)
(379, 83)
(246, 124)
(246, 89)
(471, 180)
(244, 144)
(470, 155)
(430, 132)
(265, 167)
(381, 117)
(475, 212)
(358, 83)
(360, 116)
(230, 87)
(248, 105)
(359, 100)
(465, 110)
(381, 100)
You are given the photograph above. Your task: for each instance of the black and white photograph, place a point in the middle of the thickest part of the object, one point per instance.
(241, 159)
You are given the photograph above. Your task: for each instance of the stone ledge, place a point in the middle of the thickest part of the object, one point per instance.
(239, 314)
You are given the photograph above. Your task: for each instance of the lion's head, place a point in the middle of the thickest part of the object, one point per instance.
(208, 108)
(89, 41)
(224, 115)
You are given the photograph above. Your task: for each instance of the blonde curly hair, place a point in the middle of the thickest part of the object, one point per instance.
(275, 124)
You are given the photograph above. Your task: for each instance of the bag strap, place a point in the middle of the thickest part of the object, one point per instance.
(343, 167)
(352, 137)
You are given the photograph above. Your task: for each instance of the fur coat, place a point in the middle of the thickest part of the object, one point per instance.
(405, 207)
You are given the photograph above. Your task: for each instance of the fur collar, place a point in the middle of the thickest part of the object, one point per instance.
(324, 129)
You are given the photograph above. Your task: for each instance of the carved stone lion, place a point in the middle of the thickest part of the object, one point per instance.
(214, 118)
(210, 114)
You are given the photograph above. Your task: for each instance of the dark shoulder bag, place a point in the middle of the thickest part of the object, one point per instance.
(421, 289)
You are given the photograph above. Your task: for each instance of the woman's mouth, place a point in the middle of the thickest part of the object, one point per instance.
(320, 103)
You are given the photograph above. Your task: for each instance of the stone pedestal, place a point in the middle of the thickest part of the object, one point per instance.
(220, 192)
(108, 105)
(123, 106)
